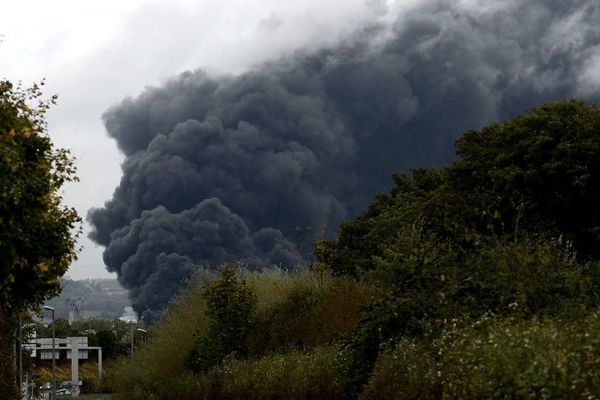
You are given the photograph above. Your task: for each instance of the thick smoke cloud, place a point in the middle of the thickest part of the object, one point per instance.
(224, 169)
(207, 234)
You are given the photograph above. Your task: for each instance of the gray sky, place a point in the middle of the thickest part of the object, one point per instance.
(93, 54)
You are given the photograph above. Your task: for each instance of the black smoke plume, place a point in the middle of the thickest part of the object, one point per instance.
(224, 169)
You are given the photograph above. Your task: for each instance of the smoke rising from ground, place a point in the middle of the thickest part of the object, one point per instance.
(225, 169)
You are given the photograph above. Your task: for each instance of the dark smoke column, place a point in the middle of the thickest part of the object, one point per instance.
(226, 170)
(219, 172)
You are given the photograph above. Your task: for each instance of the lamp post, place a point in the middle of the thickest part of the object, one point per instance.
(47, 308)
(20, 348)
(131, 354)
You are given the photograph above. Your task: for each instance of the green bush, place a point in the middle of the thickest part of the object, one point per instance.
(294, 318)
(157, 371)
(494, 358)
(425, 283)
(292, 375)
(312, 312)
(229, 305)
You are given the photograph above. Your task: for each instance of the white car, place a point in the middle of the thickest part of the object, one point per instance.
(63, 392)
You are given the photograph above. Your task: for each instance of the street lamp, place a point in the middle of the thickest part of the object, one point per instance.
(20, 339)
(47, 308)
(20, 348)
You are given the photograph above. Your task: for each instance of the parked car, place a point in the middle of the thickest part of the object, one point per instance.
(63, 392)
(65, 385)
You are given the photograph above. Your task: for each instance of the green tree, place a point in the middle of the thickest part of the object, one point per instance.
(364, 239)
(543, 169)
(107, 340)
(37, 234)
(539, 172)
(512, 226)
(62, 329)
(230, 305)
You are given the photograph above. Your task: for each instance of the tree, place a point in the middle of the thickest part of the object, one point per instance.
(362, 240)
(543, 169)
(230, 305)
(511, 227)
(539, 172)
(38, 234)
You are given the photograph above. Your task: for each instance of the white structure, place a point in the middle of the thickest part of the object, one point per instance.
(69, 346)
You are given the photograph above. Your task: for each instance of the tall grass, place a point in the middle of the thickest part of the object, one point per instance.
(158, 369)
(303, 311)
(297, 320)
(292, 375)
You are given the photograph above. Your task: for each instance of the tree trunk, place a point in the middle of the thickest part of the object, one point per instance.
(8, 380)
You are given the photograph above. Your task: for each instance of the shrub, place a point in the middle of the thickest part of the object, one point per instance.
(310, 312)
(496, 359)
(157, 371)
(294, 318)
(229, 305)
(424, 284)
(292, 375)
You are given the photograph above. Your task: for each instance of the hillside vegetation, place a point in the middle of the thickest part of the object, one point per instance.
(479, 279)
(97, 298)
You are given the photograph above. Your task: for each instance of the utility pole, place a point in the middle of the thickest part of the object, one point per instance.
(20, 349)
(47, 308)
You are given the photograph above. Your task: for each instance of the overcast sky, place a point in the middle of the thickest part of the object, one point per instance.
(93, 54)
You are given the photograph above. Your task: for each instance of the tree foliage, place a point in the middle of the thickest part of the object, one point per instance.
(229, 305)
(37, 233)
(539, 172)
(511, 226)
(459, 282)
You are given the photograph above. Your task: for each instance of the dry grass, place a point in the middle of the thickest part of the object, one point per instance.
(297, 319)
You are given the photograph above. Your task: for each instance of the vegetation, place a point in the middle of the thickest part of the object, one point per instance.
(229, 307)
(37, 239)
(293, 327)
(493, 358)
(474, 238)
(479, 279)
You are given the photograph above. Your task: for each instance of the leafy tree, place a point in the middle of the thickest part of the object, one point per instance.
(542, 169)
(363, 239)
(37, 234)
(230, 305)
(512, 226)
(107, 340)
(539, 172)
